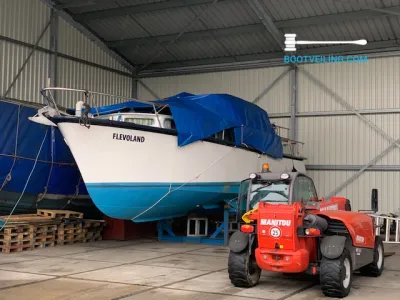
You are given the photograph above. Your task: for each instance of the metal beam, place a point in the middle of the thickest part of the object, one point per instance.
(276, 58)
(352, 168)
(356, 6)
(83, 3)
(134, 93)
(136, 9)
(261, 11)
(360, 171)
(61, 55)
(91, 36)
(26, 60)
(293, 103)
(336, 18)
(54, 48)
(188, 36)
(337, 113)
(269, 87)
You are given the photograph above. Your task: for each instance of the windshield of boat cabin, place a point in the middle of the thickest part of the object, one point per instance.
(270, 192)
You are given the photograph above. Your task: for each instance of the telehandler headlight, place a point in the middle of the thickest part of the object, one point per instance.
(285, 176)
(253, 176)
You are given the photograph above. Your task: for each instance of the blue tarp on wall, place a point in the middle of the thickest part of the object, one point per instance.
(200, 116)
(65, 174)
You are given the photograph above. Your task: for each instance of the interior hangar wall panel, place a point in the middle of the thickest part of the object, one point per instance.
(350, 140)
(371, 85)
(80, 76)
(33, 77)
(246, 84)
(74, 43)
(24, 20)
(359, 191)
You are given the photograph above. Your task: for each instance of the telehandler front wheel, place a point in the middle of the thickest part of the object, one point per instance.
(243, 269)
(336, 275)
(375, 268)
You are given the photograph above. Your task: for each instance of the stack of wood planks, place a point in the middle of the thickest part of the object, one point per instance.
(47, 228)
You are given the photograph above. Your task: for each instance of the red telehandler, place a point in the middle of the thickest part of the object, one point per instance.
(285, 228)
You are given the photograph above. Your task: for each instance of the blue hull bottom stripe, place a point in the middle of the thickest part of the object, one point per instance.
(128, 200)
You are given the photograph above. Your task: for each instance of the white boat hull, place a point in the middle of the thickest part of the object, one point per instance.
(145, 176)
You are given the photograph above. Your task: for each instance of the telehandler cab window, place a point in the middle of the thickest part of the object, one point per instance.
(303, 189)
(244, 187)
(270, 192)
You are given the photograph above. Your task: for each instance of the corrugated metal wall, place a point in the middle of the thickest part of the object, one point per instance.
(329, 140)
(23, 21)
(347, 140)
(80, 76)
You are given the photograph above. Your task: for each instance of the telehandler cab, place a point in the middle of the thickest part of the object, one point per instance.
(285, 228)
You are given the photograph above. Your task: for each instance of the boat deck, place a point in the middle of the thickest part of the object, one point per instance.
(148, 269)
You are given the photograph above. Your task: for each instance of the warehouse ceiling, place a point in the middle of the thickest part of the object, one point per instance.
(160, 35)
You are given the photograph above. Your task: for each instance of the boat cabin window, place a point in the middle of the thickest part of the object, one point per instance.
(169, 124)
(227, 135)
(140, 121)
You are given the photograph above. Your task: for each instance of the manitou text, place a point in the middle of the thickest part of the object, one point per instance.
(128, 137)
(275, 222)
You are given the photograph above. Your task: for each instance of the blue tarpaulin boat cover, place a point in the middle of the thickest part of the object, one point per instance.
(198, 117)
(64, 175)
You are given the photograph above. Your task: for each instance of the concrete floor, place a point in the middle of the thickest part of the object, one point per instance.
(151, 270)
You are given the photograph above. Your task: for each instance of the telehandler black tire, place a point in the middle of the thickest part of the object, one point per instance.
(243, 269)
(336, 275)
(375, 268)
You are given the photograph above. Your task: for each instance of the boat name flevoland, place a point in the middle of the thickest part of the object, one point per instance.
(128, 137)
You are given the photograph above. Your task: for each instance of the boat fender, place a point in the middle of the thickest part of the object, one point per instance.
(78, 108)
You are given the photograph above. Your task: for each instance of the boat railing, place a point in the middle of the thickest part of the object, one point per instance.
(290, 147)
(89, 97)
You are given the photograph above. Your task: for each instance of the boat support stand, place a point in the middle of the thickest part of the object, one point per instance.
(217, 238)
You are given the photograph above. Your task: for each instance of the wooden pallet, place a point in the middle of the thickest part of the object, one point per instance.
(87, 223)
(44, 244)
(92, 239)
(27, 232)
(91, 234)
(45, 237)
(10, 230)
(16, 248)
(69, 242)
(62, 214)
(69, 228)
(92, 230)
(16, 236)
(5, 244)
(25, 219)
(69, 233)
